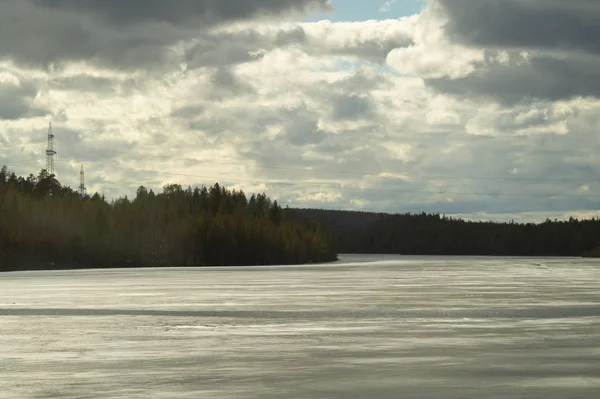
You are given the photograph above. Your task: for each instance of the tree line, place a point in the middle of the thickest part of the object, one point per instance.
(44, 225)
(434, 234)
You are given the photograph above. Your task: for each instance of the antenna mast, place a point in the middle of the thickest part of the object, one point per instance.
(50, 153)
(82, 190)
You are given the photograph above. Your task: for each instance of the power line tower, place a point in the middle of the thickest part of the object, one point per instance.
(50, 153)
(82, 190)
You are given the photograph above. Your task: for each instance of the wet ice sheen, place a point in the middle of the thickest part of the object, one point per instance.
(365, 327)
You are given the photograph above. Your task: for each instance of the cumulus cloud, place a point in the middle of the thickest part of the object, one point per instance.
(17, 102)
(534, 50)
(19, 96)
(243, 42)
(129, 34)
(550, 24)
(549, 118)
(543, 77)
(432, 54)
(179, 11)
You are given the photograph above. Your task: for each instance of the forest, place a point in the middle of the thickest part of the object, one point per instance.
(44, 225)
(434, 234)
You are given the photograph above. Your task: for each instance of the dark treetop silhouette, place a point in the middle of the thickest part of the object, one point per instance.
(44, 225)
(433, 234)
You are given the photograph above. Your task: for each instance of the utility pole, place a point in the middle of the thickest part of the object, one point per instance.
(50, 153)
(82, 190)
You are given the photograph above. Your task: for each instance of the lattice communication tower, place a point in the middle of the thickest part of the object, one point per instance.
(50, 153)
(82, 189)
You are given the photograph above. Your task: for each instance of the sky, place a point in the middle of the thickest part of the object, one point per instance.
(486, 110)
(363, 10)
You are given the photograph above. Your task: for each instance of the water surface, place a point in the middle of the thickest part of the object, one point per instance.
(364, 327)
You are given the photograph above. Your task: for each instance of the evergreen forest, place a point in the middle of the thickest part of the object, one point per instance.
(44, 225)
(434, 234)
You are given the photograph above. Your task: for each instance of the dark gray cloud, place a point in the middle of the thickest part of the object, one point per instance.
(573, 24)
(347, 107)
(69, 143)
(84, 83)
(560, 38)
(290, 37)
(222, 83)
(543, 78)
(363, 81)
(225, 82)
(121, 12)
(215, 50)
(188, 112)
(313, 149)
(302, 146)
(129, 33)
(16, 102)
(32, 36)
(302, 128)
(37, 37)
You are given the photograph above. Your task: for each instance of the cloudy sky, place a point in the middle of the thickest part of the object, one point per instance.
(485, 109)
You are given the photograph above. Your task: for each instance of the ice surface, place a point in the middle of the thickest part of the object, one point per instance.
(364, 327)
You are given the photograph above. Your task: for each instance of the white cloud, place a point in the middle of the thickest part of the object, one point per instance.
(9, 78)
(321, 196)
(359, 203)
(433, 55)
(494, 120)
(387, 6)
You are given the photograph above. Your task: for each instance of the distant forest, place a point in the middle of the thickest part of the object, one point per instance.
(44, 225)
(433, 234)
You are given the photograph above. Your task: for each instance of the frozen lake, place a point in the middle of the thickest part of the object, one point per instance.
(364, 327)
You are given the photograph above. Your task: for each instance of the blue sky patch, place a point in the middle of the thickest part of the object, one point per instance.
(362, 10)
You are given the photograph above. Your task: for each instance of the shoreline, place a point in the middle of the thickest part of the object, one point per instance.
(35, 265)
